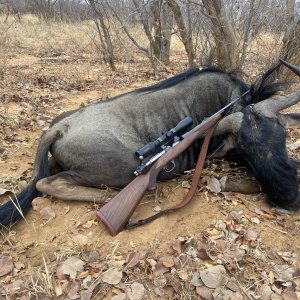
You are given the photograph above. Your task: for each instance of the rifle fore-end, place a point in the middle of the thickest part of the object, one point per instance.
(116, 213)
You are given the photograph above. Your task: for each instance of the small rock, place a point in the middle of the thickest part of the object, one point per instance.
(47, 213)
(39, 202)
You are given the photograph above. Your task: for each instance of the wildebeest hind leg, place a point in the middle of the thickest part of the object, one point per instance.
(66, 186)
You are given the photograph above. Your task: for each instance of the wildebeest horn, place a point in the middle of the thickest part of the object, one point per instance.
(270, 107)
(289, 120)
(293, 68)
(230, 124)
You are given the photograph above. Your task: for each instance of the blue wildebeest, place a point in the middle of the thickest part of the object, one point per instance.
(95, 145)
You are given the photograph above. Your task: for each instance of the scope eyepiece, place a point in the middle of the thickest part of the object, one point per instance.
(154, 147)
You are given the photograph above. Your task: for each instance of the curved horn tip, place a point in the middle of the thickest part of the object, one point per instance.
(292, 67)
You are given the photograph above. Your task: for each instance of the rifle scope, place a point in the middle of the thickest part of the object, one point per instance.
(155, 146)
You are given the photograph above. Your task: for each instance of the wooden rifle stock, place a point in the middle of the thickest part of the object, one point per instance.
(117, 212)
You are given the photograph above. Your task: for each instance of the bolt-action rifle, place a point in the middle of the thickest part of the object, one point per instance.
(116, 213)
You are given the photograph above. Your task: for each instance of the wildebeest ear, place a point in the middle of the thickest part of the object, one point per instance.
(289, 120)
(229, 124)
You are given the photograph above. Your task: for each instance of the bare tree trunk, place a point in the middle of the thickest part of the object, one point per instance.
(290, 50)
(223, 33)
(187, 42)
(247, 31)
(155, 8)
(148, 34)
(163, 24)
(104, 36)
(166, 32)
(146, 51)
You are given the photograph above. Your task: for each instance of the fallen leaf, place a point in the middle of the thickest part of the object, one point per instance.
(4, 191)
(204, 292)
(87, 282)
(177, 246)
(133, 259)
(19, 265)
(289, 294)
(186, 184)
(17, 286)
(112, 276)
(265, 291)
(6, 264)
(80, 239)
(167, 261)
(136, 291)
(74, 288)
(89, 224)
(196, 281)
(160, 268)
(251, 235)
(183, 274)
(214, 185)
(173, 282)
(255, 220)
(58, 289)
(213, 277)
(283, 272)
(71, 266)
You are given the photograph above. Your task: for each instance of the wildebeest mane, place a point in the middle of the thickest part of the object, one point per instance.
(266, 87)
(170, 82)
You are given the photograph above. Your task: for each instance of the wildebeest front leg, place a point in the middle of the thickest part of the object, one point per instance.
(66, 186)
(240, 185)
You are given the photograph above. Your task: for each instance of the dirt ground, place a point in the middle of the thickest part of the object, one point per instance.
(36, 87)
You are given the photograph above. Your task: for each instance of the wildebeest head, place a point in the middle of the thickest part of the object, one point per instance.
(258, 134)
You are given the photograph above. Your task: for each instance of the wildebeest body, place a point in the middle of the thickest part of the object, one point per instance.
(94, 146)
(98, 141)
